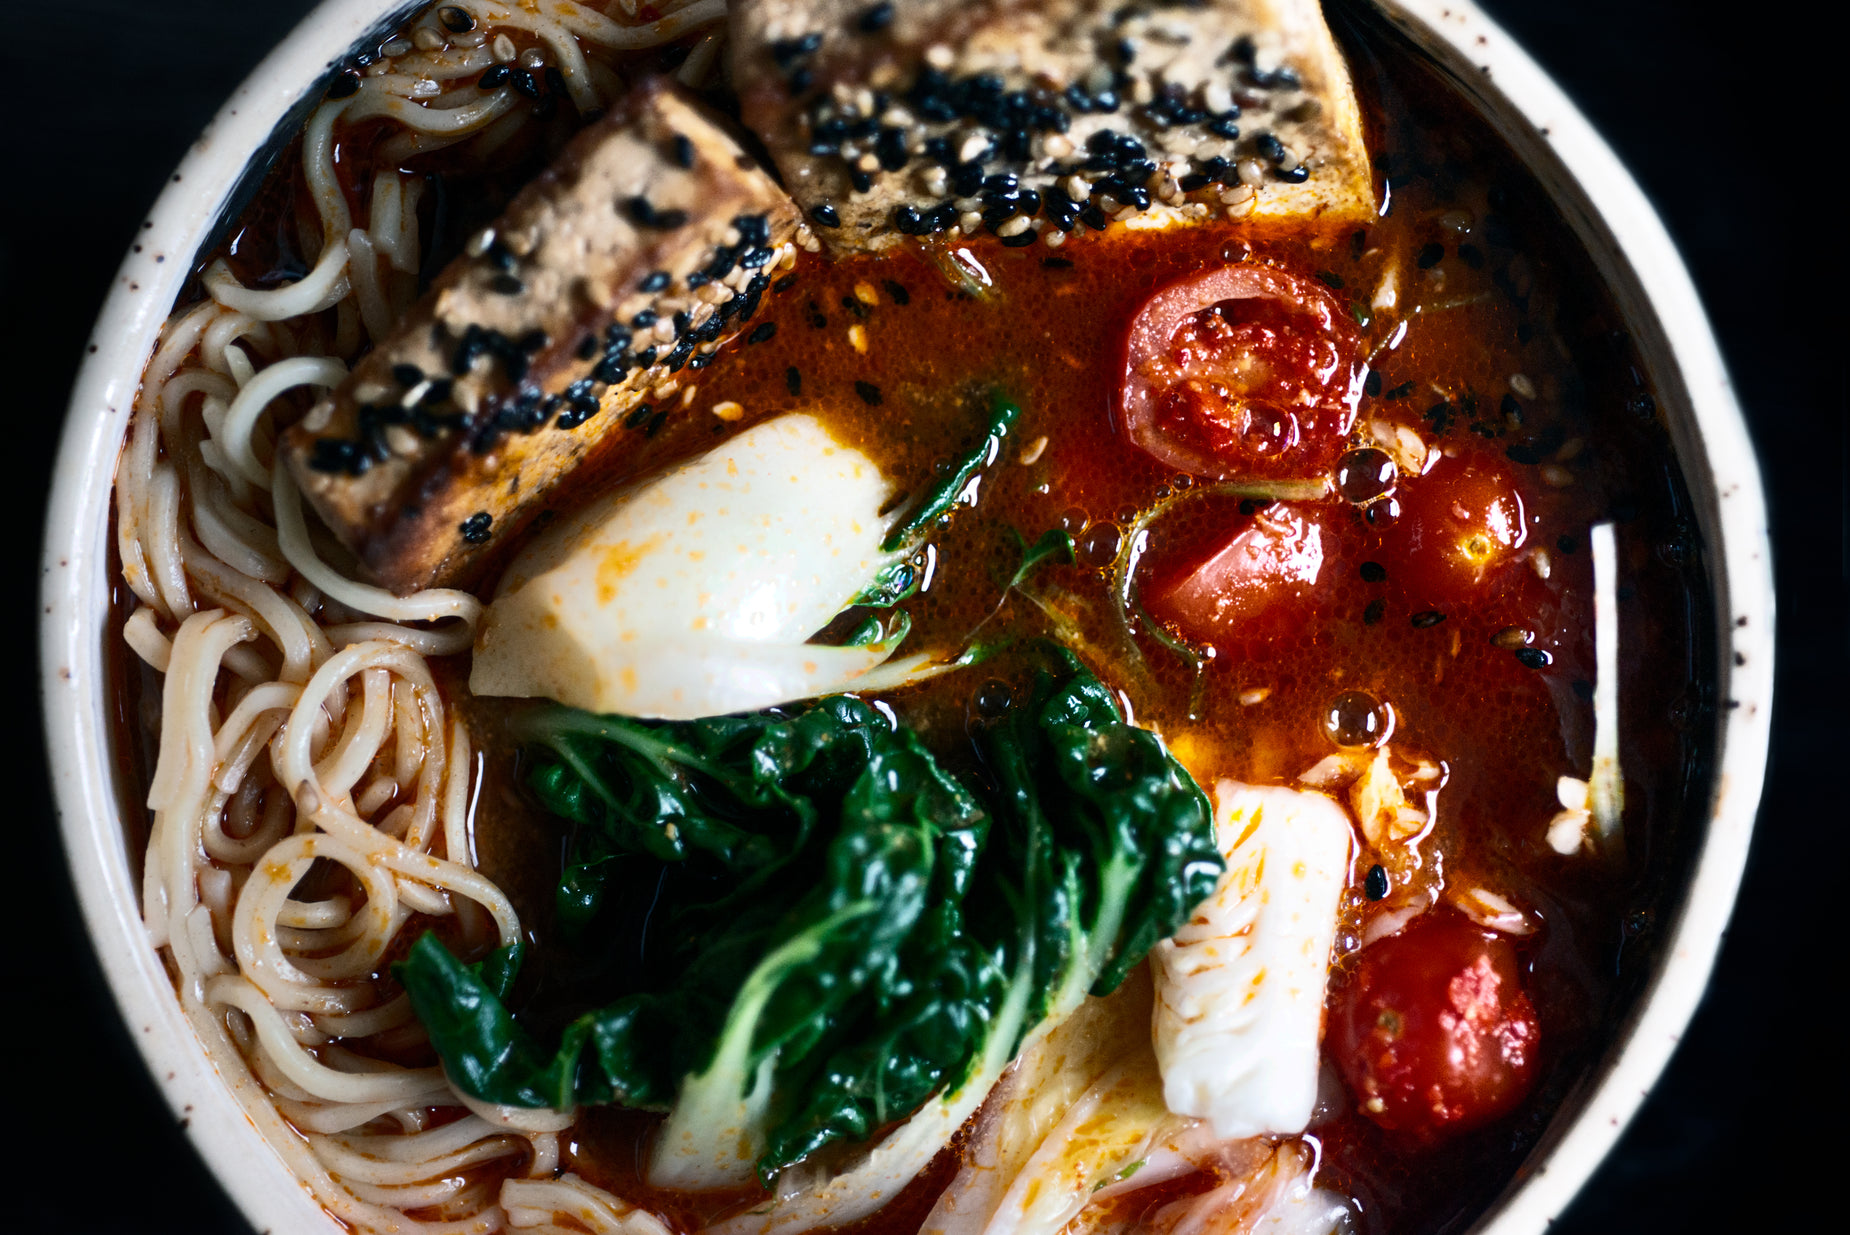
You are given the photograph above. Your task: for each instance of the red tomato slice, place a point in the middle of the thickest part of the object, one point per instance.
(1434, 1033)
(1278, 556)
(1242, 370)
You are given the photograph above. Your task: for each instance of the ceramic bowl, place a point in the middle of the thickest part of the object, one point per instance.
(1592, 191)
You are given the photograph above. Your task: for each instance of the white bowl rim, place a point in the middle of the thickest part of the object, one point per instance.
(75, 592)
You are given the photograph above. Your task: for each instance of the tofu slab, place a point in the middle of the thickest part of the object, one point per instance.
(1024, 118)
(646, 246)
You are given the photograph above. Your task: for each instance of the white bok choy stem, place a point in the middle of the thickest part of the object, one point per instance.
(1606, 784)
(695, 594)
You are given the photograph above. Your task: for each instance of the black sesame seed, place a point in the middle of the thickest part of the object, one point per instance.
(642, 214)
(587, 347)
(800, 81)
(646, 357)
(407, 374)
(475, 527)
(1373, 572)
(898, 292)
(1296, 175)
(1371, 386)
(793, 380)
(1430, 256)
(506, 285)
(890, 148)
(826, 215)
(655, 281)
(493, 77)
(860, 181)
(1373, 613)
(638, 416)
(1331, 278)
(1223, 126)
(1056, 263)
(1375, 887)
(645, 319)
(344, 85)
(1270, 147)
(455, 20)
(761, 332)
(524, 82)
(681, 150)
(1534, 658)
(874, 20)
(1020, 240)
(1427, 617)
(870, 393)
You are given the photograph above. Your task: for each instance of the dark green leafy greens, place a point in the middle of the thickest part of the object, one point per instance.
(858, 930)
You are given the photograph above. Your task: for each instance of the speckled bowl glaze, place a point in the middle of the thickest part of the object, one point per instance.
(1590, 188)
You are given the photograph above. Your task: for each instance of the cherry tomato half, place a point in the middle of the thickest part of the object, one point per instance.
(1276, 557)
(1241, 370)
(1458, 524)
(1434, 1033)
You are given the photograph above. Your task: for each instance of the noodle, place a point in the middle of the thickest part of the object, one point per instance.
(301, 728)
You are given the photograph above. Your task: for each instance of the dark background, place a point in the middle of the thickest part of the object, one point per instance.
(1723, 124)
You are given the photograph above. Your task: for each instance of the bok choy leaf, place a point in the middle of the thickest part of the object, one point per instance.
(860, 933)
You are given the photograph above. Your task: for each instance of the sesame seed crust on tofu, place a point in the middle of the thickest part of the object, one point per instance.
(647, 245)
(1035, 121)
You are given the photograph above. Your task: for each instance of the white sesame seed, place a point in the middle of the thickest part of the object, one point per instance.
(1216, 97)
(504, 49)
(868, 163)
(1107, 203)
(1521, 386)
(1058, 145)
(938, 56)
(480, 242)
(729, 411)
(1142, 91)
(425, 87)
(973, 145)
(664, 331)
(397, 47)
(1252, 173)
(1014, 227)
(427, 39)
(1557, 475)
(1077, 188)
(1195, 210)
(857, 337)
(1570, 448)
(1053, 237)
(1168, 189)
(1126, 214)
(1032, 454)
(934, 181)
(1255, 695)
(970, 220)
(897, 117)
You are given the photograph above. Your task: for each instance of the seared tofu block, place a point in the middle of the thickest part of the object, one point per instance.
(1034, 120)
(642, 250)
